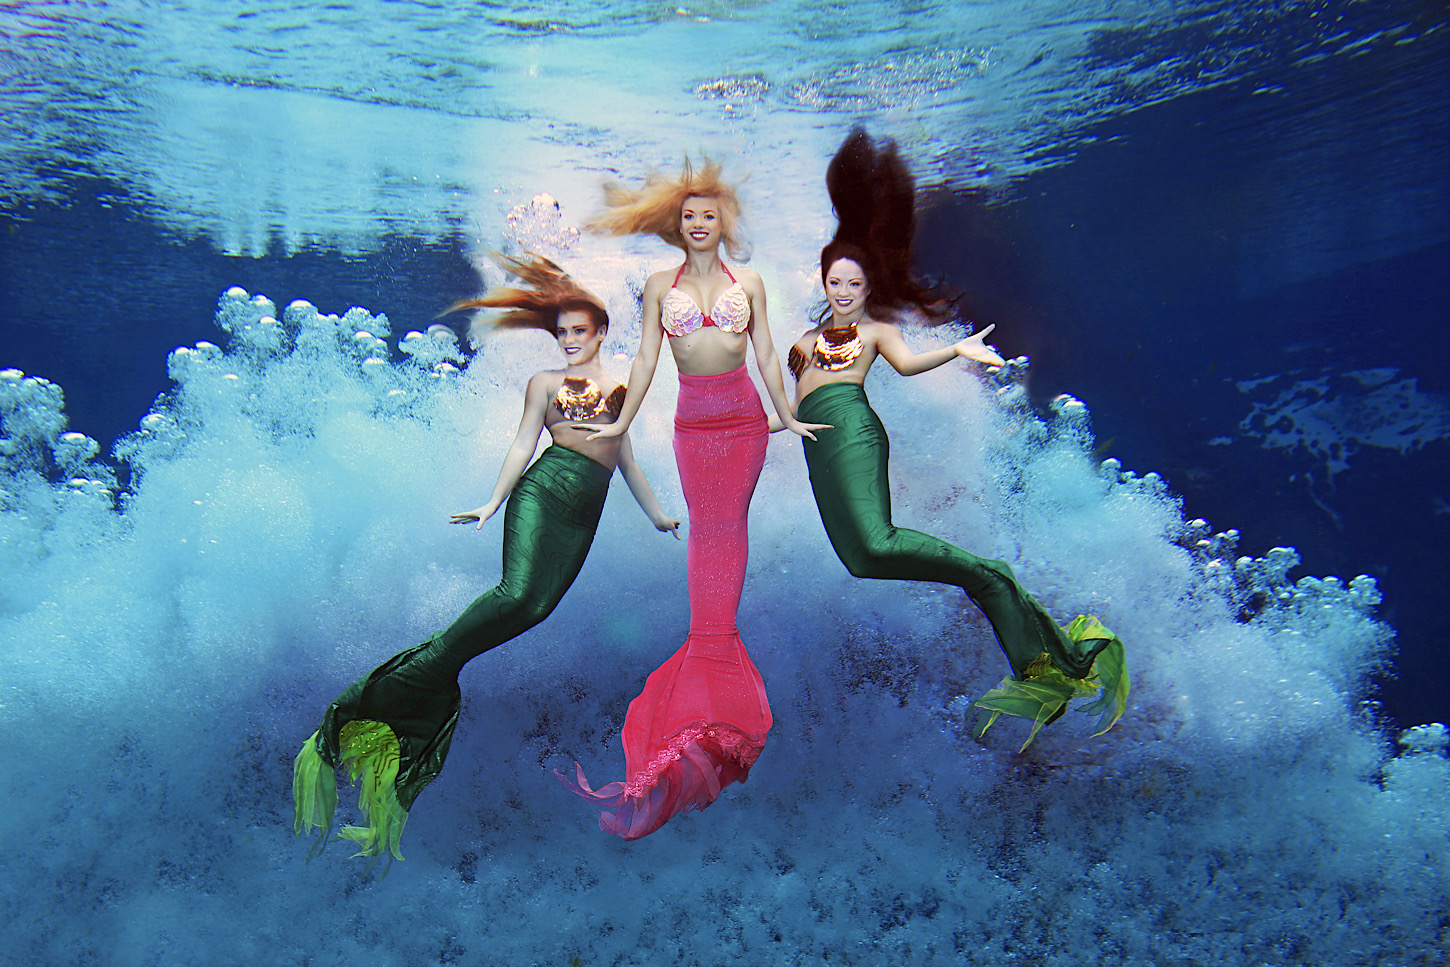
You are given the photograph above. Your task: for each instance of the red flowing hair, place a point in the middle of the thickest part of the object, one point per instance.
(550, 292)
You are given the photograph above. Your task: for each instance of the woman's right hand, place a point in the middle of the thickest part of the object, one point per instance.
(805, 429)
(481, 514)
(600, 431)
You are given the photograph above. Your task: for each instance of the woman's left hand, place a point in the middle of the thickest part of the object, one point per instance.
(973, 348)
(600, 431)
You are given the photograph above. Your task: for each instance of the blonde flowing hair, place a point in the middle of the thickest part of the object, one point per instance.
(655, 208)
(551, 291)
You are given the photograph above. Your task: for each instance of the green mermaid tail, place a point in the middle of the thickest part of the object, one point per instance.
(848, 469)
(1041, 693)
(393, 728)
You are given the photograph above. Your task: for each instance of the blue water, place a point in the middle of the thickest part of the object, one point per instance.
(1224, 227)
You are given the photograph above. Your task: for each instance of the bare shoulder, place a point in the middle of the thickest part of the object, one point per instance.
(749, 278)
(659, 281)
(875, 332)
(546, 382)
(806, 341)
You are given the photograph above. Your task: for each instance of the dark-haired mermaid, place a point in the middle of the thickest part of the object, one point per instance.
(874, 198)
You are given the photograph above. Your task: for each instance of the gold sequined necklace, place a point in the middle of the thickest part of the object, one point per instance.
(579, 399)
(838, 348)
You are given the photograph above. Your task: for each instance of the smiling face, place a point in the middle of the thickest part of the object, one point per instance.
(700, 223)
(846, 291)
(579, 336)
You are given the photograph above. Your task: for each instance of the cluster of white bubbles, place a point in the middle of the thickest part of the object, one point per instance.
(164, 650)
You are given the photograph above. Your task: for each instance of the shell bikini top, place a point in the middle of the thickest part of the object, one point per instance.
(680, 316)
(579, 399)
(835, 350)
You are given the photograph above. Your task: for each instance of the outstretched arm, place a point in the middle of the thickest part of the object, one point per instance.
(531, 424)
(769, 363)
(633, 475)
(891, 346)
(642, 372)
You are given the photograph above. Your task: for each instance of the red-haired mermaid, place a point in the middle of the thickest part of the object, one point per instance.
(702, 718)
(392, 728)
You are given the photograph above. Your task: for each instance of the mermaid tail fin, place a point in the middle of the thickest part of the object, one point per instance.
(1110, 671)
(371, 754)
(419, 705)
(1041, 694)
(314, 794)
(699, 725)
(1043, 690)
(391, 730)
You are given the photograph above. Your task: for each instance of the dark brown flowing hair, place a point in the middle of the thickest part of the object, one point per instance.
(551, 291)
(874, 197)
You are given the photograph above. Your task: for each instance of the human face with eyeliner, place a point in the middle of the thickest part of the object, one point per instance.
(846, 291)
(700, 224)
(579, 337)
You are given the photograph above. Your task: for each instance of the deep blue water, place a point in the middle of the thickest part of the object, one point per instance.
(1133, 278)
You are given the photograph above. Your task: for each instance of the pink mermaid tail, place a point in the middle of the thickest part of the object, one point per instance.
(702, 719)
(698, 726)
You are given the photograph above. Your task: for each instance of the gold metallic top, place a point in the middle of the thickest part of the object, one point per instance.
(579, 399)
(837, 348)
(796, 361)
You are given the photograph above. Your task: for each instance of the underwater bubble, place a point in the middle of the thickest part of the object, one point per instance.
(279, 543)
(538, 225)
(734, 87)
(439, 345)
(73, 448)
(1431, 739)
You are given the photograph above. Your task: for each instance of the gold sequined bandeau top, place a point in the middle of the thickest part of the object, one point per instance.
(835, 350)
(579, 399)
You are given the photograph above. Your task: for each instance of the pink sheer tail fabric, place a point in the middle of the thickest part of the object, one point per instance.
(698, 725)
(702, 718)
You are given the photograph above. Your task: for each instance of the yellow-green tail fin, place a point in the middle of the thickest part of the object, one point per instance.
(314, 793)
(1042, 691)
(370, 752)
(1110, 670)
(1040, 699)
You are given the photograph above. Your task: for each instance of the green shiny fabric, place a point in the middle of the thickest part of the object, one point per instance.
(848, 469)
(549, 523)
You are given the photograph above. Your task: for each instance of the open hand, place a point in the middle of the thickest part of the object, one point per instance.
(973, 348)
(480, 515)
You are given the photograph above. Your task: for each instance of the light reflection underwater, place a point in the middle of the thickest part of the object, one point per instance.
(284, 530)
